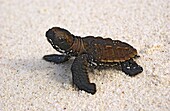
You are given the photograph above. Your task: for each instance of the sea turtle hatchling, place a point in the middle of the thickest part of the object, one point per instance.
(90, 50)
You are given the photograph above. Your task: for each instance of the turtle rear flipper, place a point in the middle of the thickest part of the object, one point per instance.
(79, 74)
(131, 68)
(56, 58)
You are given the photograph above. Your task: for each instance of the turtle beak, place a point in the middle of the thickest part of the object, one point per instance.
(50, 34)
(50, 37)
(52, 40)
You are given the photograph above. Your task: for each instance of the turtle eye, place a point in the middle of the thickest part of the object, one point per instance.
(61, 40)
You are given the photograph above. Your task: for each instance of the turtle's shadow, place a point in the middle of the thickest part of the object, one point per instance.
(57, 72)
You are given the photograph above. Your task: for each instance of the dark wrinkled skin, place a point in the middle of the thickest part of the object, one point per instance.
(90, 51)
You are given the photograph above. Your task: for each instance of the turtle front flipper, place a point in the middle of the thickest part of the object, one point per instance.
(56, 58)
(79, 74)
(131, 68)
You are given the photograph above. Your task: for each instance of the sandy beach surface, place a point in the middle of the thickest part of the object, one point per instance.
(28, 83)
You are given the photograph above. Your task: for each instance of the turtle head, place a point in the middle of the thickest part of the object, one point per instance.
(60, 39)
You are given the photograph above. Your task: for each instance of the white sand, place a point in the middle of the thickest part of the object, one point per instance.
(27, 83)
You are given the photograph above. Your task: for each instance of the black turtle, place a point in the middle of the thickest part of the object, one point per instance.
(90, 50)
